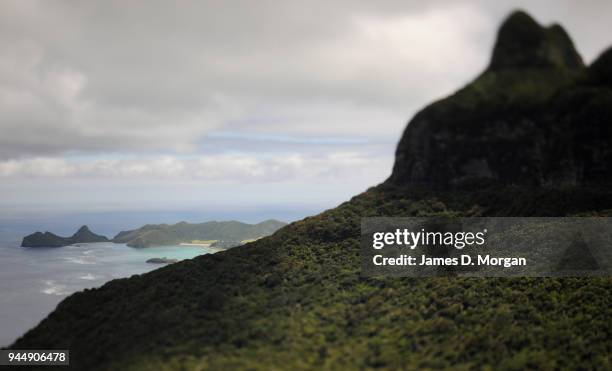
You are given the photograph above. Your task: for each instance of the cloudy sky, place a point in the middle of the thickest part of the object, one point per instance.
(119, 105)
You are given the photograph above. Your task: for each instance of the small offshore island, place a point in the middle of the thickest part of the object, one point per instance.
(48, 239)
(163, 260)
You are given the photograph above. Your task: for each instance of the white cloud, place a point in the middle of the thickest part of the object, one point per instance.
(334, 166)
(214, 91)
(109, 76)
(100, 77)
(103, 76)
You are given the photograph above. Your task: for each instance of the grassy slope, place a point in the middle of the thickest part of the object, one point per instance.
(297, 300)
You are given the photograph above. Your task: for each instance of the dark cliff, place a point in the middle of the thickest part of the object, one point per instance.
(536, 116)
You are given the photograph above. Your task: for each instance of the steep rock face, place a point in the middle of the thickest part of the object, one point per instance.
(536, 116)
(601, 69)
(523, 43)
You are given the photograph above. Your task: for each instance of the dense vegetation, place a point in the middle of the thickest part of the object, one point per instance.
(224, 234)
(298, 299)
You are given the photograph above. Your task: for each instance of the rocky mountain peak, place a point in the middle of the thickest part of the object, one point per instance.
(524, 43)
(83, 229)
(529, 119)
(84, 234)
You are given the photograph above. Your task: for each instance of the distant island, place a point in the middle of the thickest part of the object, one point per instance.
(221, 235)
(48, 239)
(163, 260)
(214, 234)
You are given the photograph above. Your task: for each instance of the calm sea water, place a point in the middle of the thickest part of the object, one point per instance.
(34, 280)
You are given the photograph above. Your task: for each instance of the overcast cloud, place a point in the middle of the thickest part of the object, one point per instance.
(256, 92)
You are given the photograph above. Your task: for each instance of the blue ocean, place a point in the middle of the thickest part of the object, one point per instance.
(34, 280)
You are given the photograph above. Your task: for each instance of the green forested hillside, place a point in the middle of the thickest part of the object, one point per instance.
(297, 300)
